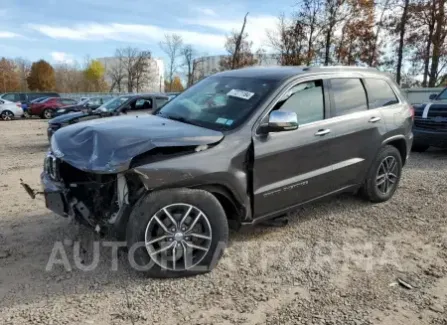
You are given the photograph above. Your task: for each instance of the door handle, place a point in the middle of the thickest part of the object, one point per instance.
(322, 132)
(374, 119)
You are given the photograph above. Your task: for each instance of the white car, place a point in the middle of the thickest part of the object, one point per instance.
(10, 110)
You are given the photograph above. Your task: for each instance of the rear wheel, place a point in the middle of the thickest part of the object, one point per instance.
(178, 232)
(47, 114)
(384, 175)
(419, 147)
(7, 115)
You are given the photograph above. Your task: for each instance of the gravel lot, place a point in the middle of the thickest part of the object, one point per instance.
(337, 262)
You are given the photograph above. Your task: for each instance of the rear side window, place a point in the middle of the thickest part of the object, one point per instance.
(11, 97)
(380, 93)
(348, 95)
(306, 100)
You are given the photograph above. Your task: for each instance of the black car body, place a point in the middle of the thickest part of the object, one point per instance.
(116, 106)
(90, 103)
(229, 151)
(430, 123)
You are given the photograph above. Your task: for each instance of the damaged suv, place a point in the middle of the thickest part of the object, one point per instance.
(237, 148)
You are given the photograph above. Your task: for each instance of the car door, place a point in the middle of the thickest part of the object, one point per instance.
(358, 130)
(293, 167)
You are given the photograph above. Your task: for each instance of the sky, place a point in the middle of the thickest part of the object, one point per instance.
(62, 31)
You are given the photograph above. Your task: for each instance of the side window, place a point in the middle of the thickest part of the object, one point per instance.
(143, 104)
(95, 101)
(349, 96)
(161, 101)
(380, 93)
(306, 100)
(10, 97)
(22, 97)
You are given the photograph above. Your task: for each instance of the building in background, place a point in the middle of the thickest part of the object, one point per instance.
(208, 65)
(151, 80)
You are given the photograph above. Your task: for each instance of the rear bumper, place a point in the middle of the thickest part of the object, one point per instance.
(430, 137)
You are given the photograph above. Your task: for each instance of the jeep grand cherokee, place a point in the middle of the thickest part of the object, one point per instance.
(237, 148)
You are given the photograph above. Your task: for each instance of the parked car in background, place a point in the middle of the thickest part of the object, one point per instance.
(90, 103)
(430, 123)
(25, 98)
(172, 95)
(10, 110)
(145, 103)
(266, 141)
(47, 107)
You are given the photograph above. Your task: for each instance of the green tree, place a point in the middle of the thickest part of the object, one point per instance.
(41, 77)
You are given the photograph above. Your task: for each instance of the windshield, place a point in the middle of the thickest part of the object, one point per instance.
(443, 95)
(219, 103)
(113, 104)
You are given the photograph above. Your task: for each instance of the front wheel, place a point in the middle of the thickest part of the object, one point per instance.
(384, 175)
(6, 115)
(176, 232)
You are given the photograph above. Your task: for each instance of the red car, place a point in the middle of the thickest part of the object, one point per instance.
(47, 107)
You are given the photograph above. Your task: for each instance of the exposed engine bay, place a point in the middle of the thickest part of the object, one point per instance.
(96, 200)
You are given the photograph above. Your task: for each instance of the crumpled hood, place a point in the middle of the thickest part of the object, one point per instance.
(66, 117)
(107, 145)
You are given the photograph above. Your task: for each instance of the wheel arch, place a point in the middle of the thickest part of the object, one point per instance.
(400, 144)
(234, 210)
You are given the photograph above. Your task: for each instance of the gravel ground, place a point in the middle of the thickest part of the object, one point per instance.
(341, 261)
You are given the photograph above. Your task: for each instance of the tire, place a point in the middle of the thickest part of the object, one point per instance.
(419, 147)
(375, 188)
(206, 219)
(6, 115)
(47, 114)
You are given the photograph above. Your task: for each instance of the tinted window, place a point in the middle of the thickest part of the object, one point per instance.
(442, 95)
(22, 97)
(306, 100)
(349, 96)
(94, 101)
(143, 104)
(380, 93)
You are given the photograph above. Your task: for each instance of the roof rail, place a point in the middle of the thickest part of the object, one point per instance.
(353, 67)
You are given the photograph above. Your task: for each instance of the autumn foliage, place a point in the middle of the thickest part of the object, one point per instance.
(41, 77)
(9, 78)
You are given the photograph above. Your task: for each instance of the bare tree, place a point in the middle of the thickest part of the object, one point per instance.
(142, 69)
(237, 44)
(23, 68)
(116, 72)
(189, 55)
(172, 46)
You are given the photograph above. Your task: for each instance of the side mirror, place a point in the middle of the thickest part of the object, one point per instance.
(433, 96)
(280, 121)
(125, 109)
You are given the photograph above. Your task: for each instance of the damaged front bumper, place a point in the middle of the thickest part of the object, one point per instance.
(56, 196)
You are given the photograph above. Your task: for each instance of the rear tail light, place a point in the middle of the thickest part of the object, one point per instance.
(412, 112)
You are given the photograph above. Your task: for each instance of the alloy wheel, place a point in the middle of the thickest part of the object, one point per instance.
(386, 178)
(7, 116)
(178, 237)
(47, 114)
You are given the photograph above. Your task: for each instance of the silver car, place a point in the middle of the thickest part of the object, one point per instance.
(10, 110)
